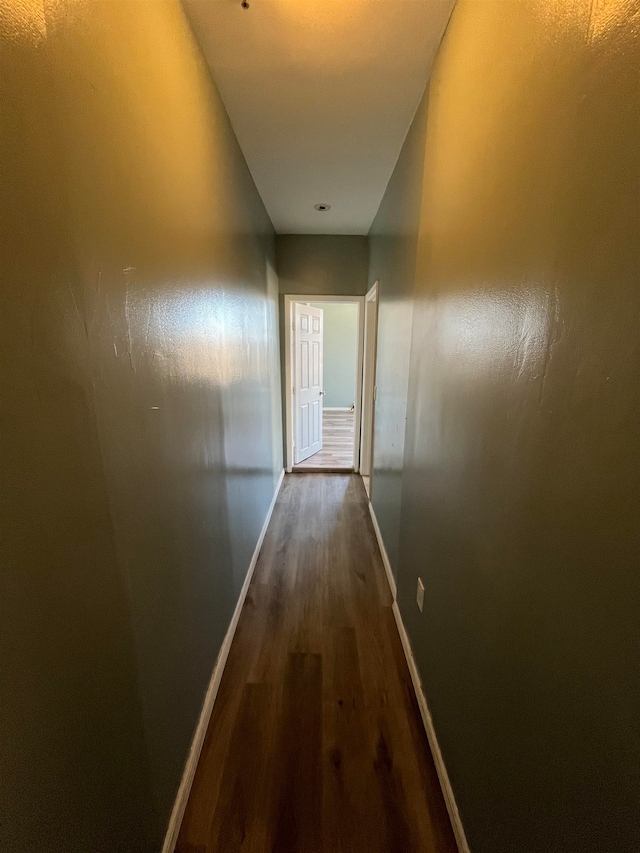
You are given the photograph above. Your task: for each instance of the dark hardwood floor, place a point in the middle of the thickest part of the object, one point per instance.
(316, 742)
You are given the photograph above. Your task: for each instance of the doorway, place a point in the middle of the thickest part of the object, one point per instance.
(369, 388)
(324, 343)
(329, 416)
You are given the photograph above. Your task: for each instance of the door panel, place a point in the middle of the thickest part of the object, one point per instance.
(304, 366)
(308, 331)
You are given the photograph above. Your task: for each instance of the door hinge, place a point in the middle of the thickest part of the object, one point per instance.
(375, 392)
(293, 390)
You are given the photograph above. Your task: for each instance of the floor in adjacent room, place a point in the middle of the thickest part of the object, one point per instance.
(316, 741)
(337, 443)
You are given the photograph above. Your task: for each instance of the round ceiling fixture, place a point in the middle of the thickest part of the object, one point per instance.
(322, 207)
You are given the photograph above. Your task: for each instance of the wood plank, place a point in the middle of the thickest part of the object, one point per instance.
(296, 805)
(237, 820)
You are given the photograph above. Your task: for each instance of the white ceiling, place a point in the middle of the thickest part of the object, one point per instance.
(321, 94)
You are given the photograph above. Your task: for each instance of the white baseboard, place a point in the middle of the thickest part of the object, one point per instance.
(445, 784)
(337, 409)
(383, 552)
(182, 796)
(443, 776)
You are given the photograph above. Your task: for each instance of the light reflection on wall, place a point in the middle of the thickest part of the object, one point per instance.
(204, 335)
(474, 339)
(479, 332)
(23, 22)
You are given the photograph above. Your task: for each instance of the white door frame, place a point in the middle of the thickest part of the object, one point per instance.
(370, 351)
(289, 302)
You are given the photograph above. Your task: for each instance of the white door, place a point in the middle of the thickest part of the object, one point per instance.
(307, 386)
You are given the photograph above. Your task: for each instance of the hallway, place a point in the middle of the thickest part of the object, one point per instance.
(316, 742)
(199, 649)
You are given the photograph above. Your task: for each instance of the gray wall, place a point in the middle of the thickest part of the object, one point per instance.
(520, 502)
(340, 349)
(140, 435)
(393, 242)
(317, 264)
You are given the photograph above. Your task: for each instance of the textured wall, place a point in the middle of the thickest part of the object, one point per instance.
(139, 413)
(521, 490)
(393, 241)
(340, 332)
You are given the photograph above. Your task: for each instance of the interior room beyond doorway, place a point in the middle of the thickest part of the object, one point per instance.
(324, 375)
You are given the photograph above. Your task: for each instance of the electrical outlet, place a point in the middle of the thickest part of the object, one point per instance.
(420, 595)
